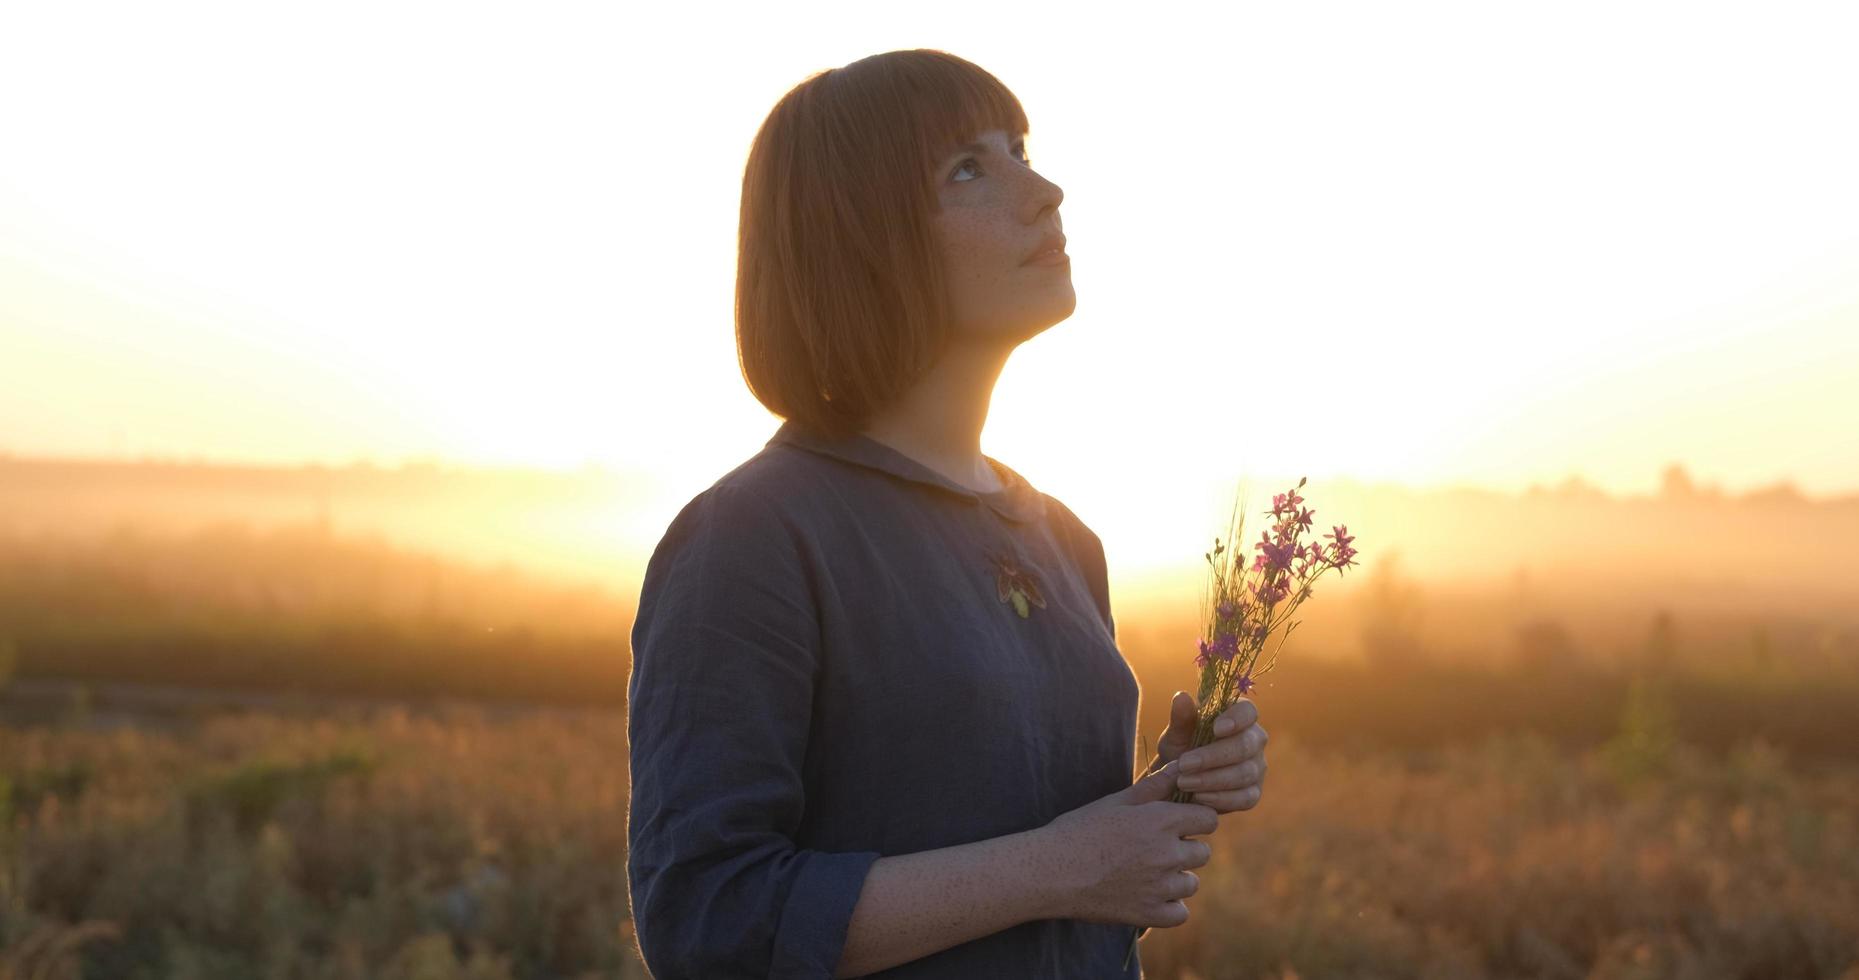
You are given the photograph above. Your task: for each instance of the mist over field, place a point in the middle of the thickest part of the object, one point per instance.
(1594, 561)
(520, 585)
(298, 682)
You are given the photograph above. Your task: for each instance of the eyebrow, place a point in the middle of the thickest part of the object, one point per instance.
(983, 147)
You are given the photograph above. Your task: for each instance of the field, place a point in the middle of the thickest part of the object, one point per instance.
(450, 844)
(234, 756)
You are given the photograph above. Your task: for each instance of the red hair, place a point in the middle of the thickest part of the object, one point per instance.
(840, 296)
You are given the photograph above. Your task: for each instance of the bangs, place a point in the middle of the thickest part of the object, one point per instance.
(943, 101)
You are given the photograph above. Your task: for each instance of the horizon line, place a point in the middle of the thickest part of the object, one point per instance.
(1684, 487)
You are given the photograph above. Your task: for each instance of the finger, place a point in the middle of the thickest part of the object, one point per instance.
(1190, 819)
(1238, 715)
(1227, 751)
(1193, 853)
(1227, 801)
(1252, 741)
(1173, 913)
(1247, 773)
(1246, 744)
(1181, 718)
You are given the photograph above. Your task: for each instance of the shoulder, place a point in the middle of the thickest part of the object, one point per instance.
(1085, 551)
(752, 506)
(1072, 528)
(779, 476)
(732, 549)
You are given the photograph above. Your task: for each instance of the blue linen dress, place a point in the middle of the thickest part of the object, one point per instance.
(830, 664)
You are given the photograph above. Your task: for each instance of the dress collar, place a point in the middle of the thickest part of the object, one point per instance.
(1017, 500)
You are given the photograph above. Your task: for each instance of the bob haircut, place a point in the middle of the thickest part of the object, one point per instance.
(841, 301)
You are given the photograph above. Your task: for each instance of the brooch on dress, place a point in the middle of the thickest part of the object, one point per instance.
(1015, 584)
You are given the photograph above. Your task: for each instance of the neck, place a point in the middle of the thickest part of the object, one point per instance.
(938, 422)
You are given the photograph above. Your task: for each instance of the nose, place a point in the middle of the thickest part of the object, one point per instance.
(1045, 195)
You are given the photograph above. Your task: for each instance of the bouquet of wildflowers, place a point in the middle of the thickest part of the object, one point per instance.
(1247, 605)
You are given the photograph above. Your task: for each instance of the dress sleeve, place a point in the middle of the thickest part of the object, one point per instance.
(719, 702)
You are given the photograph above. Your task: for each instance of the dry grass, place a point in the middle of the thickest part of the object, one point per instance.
(259, 847)
(1511, 859)
(460, 847)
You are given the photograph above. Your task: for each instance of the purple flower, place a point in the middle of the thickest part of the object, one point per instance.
(1245, 684)
(1227, 609)
(1306, 564)
(1285, 503)
(1274, 555)
(1270, 592)
(1225, 645)
(1304, 514)
(1344, 553)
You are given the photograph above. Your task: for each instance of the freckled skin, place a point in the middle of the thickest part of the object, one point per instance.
(994, 209)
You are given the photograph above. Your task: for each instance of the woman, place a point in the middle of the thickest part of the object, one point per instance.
(878, 721)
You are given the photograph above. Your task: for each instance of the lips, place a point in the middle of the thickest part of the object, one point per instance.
(1050, 244)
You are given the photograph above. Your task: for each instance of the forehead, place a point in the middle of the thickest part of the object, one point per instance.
(988, 140)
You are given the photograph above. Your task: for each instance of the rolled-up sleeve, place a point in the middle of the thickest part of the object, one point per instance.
(726, 647)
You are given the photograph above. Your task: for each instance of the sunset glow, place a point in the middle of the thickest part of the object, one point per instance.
(1428, 245)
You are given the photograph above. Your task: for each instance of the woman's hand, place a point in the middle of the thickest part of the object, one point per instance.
(1124, 858)
(1227, 773)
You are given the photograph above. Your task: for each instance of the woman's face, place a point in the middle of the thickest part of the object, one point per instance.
(996, 213)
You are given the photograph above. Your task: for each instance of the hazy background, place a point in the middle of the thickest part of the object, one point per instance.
(354, 358)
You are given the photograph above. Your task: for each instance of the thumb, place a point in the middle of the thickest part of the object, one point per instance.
(1183, 714)
(1154, 786)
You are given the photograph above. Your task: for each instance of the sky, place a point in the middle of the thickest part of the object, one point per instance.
(1466, 244)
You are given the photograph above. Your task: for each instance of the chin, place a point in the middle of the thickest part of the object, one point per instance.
(1060, 310)
(1026, 322)
(1070, 304)
(1039, 325)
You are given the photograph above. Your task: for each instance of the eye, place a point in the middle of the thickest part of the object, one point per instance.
(971, 162)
